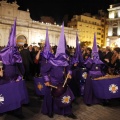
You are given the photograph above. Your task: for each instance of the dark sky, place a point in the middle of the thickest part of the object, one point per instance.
(58, 8)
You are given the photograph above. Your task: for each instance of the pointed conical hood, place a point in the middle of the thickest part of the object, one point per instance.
(78, 53)
(12, 36)
(77, 47)
(94, 48)
(60, 56)
(47, 44)
(47, 48)
(95, 54)
(10, 53)
(61, 45)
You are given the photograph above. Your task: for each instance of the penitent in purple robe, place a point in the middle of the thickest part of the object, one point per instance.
(11, 73)
(55, 77)
(43, 61)
(12, 87)
(8, 85)
(54, 72)
(94, 67)
(94, 72)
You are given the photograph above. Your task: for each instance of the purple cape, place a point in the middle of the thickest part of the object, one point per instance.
(60, 60)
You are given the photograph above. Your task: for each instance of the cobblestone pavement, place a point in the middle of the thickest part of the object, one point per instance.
(83, 112)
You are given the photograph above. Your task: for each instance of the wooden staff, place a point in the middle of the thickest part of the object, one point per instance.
(53, 86)
(65, 81)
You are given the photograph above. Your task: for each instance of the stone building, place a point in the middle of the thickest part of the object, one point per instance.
(87, 25)
(29, 31)
(113, 38)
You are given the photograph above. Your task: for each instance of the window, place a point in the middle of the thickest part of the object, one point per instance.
(116, 14)
(98, 33)
(98, 28)
(115, 31)
(98, 38)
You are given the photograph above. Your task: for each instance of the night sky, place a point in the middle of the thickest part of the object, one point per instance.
(60, 8)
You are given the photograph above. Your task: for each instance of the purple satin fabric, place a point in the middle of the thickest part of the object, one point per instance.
(13, 96)
(89, 96)
(96, 58)
(46, 78)
(94, 71)
(60, 60)
(89, 60)
(95, 74)
(11, 72)
(68, 93)
(57, 76)
(49, 106)
(39, 86)
(103, 88)
(47, 54)
(59, 63)
(88, 63)
(10, 55)
(74, 60)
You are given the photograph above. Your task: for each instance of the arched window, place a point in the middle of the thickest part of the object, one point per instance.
(21, 40)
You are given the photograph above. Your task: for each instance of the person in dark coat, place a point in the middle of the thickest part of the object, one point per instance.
(107, 59)
(100, 53)
(76, 64)
(115, 62)
(27, 62)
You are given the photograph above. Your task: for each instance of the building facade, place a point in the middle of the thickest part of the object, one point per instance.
(87, 25)
(113, 38)
(29, 31)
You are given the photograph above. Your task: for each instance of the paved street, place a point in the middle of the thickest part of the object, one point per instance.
(83, 112)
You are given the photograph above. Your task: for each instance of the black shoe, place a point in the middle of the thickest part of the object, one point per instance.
(1, 114)
(71, 116)
(50, 116)
(88, 105)
(19, 116)
(26, 105)
(106, 104)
